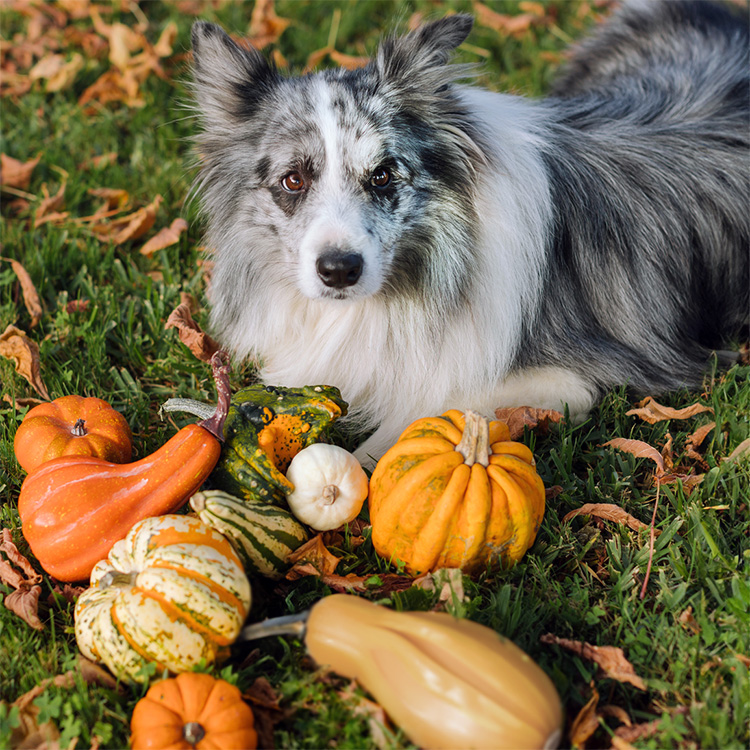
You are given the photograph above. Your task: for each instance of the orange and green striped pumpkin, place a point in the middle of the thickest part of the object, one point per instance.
(173, 593)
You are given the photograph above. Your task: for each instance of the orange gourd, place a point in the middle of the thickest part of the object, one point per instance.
(454, 491)
(72, 426)
(74, 508)
(193, 710)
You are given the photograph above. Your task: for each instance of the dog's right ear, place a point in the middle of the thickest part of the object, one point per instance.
(228, 79)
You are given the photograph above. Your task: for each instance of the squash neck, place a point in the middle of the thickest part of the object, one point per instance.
(475, 440)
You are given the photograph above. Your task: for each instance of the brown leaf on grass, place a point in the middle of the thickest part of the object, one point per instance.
(313, 553)
(374, 713)
(586, 722)
(518, 417)
(608, 512)
(9, 549)
(165, 237)
(265, 26)
(639, 449)
(506, 24)
(77, 305)
(695, 440)
(16, 345)
(740, 452)
(688, 621)
(113, 86)
(21, 401)
(28, 290)
(266, 709)
(16, 174)
(190, 333)
(24, 602)
(652, 412)
(610, 659)
(48, 210)
(448, 581)
(130, 227)
(58, 73)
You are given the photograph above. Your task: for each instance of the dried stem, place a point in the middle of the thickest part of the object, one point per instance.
(475, 441)
(652, 537)
(221, 369)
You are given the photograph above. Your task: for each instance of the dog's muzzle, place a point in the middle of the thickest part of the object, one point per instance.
(339, 270)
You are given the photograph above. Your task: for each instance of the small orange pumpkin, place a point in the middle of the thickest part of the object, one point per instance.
(455, 492)
(193, 710)
(72, 426)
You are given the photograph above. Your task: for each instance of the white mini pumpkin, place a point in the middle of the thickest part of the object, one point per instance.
(330, 486)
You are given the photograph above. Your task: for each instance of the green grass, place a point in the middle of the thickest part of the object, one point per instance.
(581, 580)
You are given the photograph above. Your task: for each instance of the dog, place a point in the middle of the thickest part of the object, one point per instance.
(424, 244)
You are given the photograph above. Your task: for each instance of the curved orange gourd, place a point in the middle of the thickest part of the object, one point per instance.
(72, 426)
(74, 508)
(454, 491)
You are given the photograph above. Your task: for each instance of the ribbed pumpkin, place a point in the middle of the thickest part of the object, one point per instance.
(193, 710)
(172, 592)
(72, 426)
(454, 491)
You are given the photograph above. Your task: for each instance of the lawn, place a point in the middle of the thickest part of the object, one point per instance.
(644, 546)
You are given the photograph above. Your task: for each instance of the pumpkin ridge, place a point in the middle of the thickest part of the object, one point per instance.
(121, 629)
(471, 524)
(221, 593)
(518, 509)
(440, 525)
(411, 482)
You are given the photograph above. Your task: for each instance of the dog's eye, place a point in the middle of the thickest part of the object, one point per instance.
(380, 178)
(293, 182)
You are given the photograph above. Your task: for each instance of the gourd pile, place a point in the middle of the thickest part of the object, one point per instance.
(170, 544)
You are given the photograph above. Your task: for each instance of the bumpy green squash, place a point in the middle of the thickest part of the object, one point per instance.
(265, 428)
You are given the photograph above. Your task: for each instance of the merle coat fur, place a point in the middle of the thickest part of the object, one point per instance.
(424, 245)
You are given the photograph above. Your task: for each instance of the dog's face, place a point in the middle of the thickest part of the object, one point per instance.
(342, 182)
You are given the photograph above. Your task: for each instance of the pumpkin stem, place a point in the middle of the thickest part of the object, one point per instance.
(330, 493)
(475, 440)
(221, 368)
(193, 732)
(79, 428)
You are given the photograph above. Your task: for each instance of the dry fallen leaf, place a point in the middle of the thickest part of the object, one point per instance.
(640, 450)
(24, 602)
(28, 290)
(165, 237)
(518, 417)
(374, 713)
(265, 26)
(610, 659)
(652, 412)
(586, 722)
(130, 227)
(506, 24)
(608, 512)
(16, 345)
(48, 210)
(190, 333)
(741, 451)
(16, 174)
(314, 553)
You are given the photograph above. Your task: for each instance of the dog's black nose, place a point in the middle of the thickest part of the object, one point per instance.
(339, 270)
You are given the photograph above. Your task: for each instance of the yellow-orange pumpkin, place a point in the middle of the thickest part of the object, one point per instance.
(454, 491)
(193, 710)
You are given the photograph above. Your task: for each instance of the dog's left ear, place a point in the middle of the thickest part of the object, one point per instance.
(423, 52)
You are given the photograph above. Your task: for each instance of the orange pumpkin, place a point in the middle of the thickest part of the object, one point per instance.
(74, 508)
(72, 426)
(454, 491)
(193, 710)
